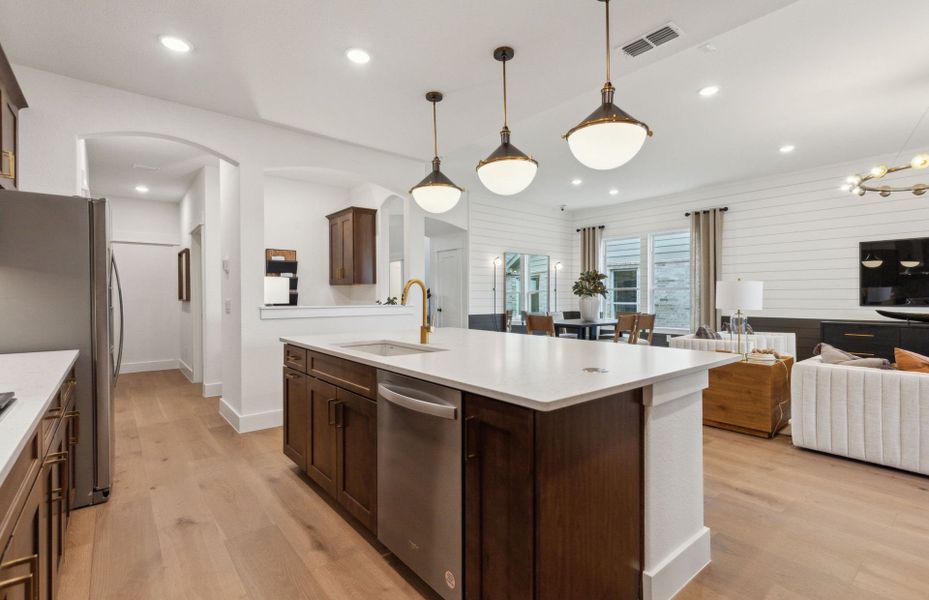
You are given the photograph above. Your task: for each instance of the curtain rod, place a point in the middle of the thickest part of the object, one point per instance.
(723, 209)
(597, 226)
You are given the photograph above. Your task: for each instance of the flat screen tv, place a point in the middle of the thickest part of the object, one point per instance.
(894, 273)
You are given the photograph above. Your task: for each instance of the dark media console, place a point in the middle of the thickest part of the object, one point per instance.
(876, 339)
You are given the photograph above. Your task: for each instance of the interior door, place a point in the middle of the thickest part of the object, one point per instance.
(448, 287)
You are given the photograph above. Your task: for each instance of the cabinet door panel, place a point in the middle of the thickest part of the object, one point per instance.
(24, 574)
(296, 420)
(321, 452)
(8, 135)
(499, 507)
(335, 252)
(356, 430)
(347, 237)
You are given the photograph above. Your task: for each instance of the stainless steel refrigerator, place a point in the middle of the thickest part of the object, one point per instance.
(59, 289)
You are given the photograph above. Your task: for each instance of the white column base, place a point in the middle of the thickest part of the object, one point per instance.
(250, 422)
(677, 543)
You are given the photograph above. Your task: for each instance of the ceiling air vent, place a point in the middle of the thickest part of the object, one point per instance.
(650, 41)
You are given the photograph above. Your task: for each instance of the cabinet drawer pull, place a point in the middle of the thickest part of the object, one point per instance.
(28, 581)
(291, 376)
(339, 415)
(76, 417)
(862, 335)
(54, 413)
(56, 495)
(862, 354)
(292, 358)
(11, 174)
(55, 457)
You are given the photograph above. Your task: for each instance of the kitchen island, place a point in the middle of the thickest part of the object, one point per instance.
(582, 461)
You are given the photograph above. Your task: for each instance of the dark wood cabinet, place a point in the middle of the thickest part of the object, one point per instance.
(876, 338)
(499, 493)
(11, 101)
(353, 246)
(24, 565)
(296, 416)
(330, 431)
(553, 500)
(322, 451)
(356, 457)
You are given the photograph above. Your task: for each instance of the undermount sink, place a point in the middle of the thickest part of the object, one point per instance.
(389, 348)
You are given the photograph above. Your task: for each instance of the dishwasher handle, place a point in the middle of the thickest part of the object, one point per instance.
(443, 411)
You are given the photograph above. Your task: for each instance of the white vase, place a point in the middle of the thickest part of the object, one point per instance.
(590, 308)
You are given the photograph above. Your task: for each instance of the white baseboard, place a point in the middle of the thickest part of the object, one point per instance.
(211, 390)
(186, 369)
(251, 422)
(149, 365)
(670, 576)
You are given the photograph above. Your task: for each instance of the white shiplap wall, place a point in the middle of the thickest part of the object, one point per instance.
(498, 225)
(798, 233)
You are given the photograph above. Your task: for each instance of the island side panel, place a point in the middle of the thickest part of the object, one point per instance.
(677, 543)
(589, 478)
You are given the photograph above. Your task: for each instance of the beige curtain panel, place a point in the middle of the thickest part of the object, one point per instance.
(590, 248)
(706, 251)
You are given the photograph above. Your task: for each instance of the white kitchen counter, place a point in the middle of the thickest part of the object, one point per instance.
(35, 377)
(537, 372)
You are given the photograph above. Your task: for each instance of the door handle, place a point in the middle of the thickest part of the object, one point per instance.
(122, 320)
(55, 458)
(11, 174)
(339, 415)
(443, 411)
(471, 430)
(329, 412)
(76, 416)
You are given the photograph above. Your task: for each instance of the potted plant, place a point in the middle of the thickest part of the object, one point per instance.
(589, 287)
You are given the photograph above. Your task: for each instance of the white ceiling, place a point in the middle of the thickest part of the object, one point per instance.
(116, 165)
(840, 80)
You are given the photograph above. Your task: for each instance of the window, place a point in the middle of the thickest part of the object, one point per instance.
(623, 269)
(670, 279)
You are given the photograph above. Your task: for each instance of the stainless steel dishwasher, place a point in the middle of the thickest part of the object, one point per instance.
(419, 486)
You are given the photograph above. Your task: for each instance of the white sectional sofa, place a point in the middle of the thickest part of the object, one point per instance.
(874, 415)
(784, 343)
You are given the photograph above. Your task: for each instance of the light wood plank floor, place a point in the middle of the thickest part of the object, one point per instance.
(200, 512)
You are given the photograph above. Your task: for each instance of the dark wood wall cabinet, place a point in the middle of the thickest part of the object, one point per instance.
(35, 504)
(11, 102)
(353, 246)
(330, 428)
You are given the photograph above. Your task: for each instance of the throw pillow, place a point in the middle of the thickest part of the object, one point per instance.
(706, 333)
(911, 361)
(833, 356)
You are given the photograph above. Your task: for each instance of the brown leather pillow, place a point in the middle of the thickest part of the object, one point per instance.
(910, 361)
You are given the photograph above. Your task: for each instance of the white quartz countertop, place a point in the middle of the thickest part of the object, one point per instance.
(538, 372)
(35, 378)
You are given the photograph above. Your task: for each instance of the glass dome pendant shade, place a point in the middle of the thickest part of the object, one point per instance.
(436, 193)
(610, 137)
(508, 170)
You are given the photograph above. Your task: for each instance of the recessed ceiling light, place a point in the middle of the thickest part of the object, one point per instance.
(175, 44)
(614, 192)
(576, 182)
(787, 149)
(710, 90)
(141, 189)
(358, 56)
(708, 48)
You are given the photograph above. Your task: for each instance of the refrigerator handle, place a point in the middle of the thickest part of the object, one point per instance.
(122, 320)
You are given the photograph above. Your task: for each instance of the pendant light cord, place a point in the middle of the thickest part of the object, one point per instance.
(435, 131)
(505, 118)
(609, 61)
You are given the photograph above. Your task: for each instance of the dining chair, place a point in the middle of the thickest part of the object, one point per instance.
(572, 314)
(540, 324)
(625, 322)
(645, 324)
(561, 331)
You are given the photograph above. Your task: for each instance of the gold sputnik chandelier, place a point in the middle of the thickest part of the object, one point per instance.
(873, 180)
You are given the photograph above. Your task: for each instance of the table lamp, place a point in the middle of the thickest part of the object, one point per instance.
(738, 296)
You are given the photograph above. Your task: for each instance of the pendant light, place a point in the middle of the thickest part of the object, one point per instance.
(871, 262)
(609, 137)
(436, 193)
(507, 170)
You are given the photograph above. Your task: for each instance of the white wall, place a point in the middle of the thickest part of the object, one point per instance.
(145, 238)
(499, 225)
(63, 110)
(295, 219)
(798, 233)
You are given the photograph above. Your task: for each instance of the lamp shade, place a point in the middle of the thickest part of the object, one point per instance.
(607, 145)
(507, 175)
(739, 295)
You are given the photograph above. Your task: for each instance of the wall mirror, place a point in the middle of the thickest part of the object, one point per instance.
(527, 283)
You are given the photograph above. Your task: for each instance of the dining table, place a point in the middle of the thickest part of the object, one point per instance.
(586, 330)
